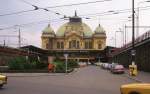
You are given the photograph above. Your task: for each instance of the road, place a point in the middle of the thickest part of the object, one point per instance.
(88, 80)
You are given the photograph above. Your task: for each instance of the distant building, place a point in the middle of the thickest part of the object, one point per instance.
(75, 38)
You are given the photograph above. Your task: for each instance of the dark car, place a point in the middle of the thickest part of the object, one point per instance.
(118, 69)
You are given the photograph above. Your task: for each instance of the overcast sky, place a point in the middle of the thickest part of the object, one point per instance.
(31, 34)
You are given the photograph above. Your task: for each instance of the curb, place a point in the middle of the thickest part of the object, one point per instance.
(133, 78)
(34, 75)
(50, 74)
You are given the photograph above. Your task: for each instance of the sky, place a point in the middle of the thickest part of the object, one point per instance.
(31, 33)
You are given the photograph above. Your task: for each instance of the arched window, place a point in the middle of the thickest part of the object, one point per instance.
(69, 44)
(78, 44)
(47, 46)
(58, 45)
(74, 44)
(62, 45)
(99, 46)
(90, 44)
(86, 45)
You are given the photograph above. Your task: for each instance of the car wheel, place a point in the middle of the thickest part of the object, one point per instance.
(1, 85)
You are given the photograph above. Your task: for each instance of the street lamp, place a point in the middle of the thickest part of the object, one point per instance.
(138, 16)
(66, 58)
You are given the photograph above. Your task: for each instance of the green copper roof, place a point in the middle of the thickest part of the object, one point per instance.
(99, 29)
(74, 26)
(48, 29)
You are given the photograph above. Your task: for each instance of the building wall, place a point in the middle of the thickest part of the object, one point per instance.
(92, 43)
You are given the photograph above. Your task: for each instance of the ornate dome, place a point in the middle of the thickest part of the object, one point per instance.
(99, 29)
(78, 27)
(75, 24)
(48, 30)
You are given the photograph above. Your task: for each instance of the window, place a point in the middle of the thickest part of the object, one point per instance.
(74, 44)
(58, 45)
(78, 45)
(69, 44)
(62, 45)
(88, 45)
(47, 46)
(99, 46)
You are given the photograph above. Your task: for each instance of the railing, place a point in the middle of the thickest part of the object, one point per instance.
(138, 40)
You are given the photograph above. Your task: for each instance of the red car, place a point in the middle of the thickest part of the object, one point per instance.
(118, 69)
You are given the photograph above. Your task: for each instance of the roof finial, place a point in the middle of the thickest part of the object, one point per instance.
(49, 24)
(75, 13)
(99, 22)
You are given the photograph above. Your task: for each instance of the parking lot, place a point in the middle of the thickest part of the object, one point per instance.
(87, 80)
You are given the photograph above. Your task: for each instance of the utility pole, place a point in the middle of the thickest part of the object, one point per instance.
(19, 38)
(4, 43)
(133, 52)
(125, 35)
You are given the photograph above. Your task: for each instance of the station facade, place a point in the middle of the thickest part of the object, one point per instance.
(76, 39)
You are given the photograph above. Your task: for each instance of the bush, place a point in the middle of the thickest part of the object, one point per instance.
(20, 63)
(61, 67)
(40, 65)
(73, 64)
(17, 63)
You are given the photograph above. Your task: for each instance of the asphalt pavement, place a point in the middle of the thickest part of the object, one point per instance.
(87, 80)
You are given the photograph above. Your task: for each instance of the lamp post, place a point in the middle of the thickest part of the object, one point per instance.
(66, 58)
(138, 16)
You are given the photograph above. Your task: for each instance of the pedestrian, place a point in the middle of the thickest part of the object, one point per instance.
(50, 67)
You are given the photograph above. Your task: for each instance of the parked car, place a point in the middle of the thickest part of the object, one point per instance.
(82, 64)
(117, 69)
(98, 64)
(136, 88)
(3, 80)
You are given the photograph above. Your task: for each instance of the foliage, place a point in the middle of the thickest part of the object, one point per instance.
(40, 65)
(61, 67)
(73, 64)
(20, 63)
(16, 63)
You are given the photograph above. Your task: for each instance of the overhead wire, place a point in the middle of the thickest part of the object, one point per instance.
(96, 14)
(37, 8)
(84, 16)
(84, 3)
(31, 23)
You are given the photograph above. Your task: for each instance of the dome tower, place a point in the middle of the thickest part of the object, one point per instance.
(47, 35)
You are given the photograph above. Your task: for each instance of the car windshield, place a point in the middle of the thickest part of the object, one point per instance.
(119, 67)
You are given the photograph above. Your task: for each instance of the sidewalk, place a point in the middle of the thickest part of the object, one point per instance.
(32, 74)
(141, 77)
(37, 74)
